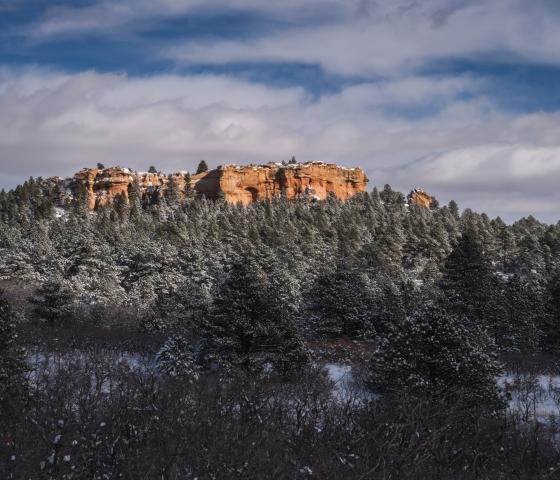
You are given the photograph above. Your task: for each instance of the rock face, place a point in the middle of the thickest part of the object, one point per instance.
(420, 197)
(233, 183)
(246, 184)
(101, 187)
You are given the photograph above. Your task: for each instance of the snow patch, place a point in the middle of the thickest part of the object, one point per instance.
(536, 396)
(59, 212)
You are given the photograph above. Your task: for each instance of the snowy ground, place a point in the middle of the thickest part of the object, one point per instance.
(531, 395)
(340, 375)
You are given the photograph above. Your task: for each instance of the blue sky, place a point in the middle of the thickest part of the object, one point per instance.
(458, 97)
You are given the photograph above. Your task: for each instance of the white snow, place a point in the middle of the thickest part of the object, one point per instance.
(532, 396)
(306, 470)
(344, 386)
(339, 373)
(59, 212)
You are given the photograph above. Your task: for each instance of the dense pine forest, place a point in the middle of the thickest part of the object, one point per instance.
(186, 338)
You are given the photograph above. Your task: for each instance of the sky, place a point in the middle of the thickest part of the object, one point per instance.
(458, 97)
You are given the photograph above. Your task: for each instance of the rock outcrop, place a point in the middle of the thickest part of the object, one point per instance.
(246, 184)
(233, 183)
(420, 197)
(101, 187)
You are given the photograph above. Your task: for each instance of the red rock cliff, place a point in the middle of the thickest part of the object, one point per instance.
(247, 184)
(233, 183)
(103, 186)
(420, 197)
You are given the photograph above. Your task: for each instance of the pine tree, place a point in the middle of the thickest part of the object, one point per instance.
(120, 206)
(12, 357)
(344, 304)
(434, 352)
(173, 192)
(506, 245)
(454, 209)
(251, 322)
(551, 327)
(52, 302)
(184, 303)
(177, 358)
(202, 167)
(79, 204)
(469, 283)
(134, 200)
(91, 270)
(391, 197)
(520, 326)
(189, 190)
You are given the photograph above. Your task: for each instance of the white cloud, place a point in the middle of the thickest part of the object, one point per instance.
(53, 123)
(111, 14)
(396, 36)
(520, 168)
(348, 37)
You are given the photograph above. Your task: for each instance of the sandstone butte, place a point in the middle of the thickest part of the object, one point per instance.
(234, 183)
(420, 197)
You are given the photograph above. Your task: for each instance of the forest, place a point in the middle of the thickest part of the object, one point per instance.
(183, 338)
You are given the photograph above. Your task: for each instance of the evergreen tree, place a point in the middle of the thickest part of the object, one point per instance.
(469, 283)
(91, 270)
(134, 200)
(551, 327)
(189, 190)
(345, 303)
(454, 209)
(79, 204)
(202, 167)
(12, 357)
(120, 206)
(173, 192)
(251, 323)
(185, 305)
(177, 358)
(433, 353)
(52, 302)
(506, 245)
(519, 329)
(391, 197)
